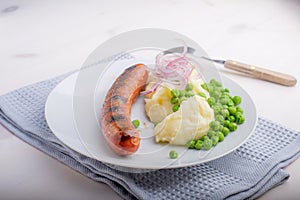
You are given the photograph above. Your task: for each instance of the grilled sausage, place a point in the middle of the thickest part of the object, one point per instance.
(116, 124)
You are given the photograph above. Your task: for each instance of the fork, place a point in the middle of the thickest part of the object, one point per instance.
(247, 69)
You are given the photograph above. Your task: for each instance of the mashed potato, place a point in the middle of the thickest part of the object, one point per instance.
(158, 105)
(190, 122)
(192, 119)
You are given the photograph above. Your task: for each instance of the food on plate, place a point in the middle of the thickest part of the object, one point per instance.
(180, 115)
(136, 123)
(173, 154)
(191, 121)
(161, 103)
(184, 109)
(116, 125)
(187, 111)
(228, 115)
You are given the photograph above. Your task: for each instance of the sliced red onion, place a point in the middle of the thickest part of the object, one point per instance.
(174, 69)
(153, 89)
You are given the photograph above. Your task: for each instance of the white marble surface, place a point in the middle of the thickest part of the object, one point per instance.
(42, 39)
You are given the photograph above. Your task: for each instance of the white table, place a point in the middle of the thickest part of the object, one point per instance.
(42, 39)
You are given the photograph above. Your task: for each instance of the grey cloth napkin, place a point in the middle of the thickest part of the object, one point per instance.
(246, 173)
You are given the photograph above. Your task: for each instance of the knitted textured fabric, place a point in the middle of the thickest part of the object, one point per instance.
(246, 173)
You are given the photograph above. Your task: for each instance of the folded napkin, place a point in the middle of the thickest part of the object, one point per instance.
(246, 173)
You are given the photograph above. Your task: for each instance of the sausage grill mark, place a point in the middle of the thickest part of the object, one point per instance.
(118, 97)
(113, 109)
(116, 125)
(116, 118)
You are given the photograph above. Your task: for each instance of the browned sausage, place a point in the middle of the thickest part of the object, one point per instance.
(116, 124)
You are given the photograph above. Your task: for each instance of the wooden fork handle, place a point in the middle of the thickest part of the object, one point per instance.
(261, 73)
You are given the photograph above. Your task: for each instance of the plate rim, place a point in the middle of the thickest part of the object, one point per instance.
(133, 165)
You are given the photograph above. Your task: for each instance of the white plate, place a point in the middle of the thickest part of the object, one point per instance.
(60, 117)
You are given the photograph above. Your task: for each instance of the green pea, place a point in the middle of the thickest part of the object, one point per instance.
(231, 118)
(226, 123)
(239, 109)
(219, 105)
(174, 100)
(225, 113)
(189, 87)
(189, 94)
(225, 130)
(201, 94)
(191, 144)
(198, 144)
(181, 93)
(232, 126)
(232, 110)
(175, 108)
(237, 100)
(214, 125)
(224, 100)
(226, 95)
(173, 154)
(216, 94)
(240, 119)
(215, 83)
(219, 89)
(135, 123)
(205, 137)
(238, 113)
(211, 88)
(215, 140)
(219, 84)
(217, 108)
(211, 101)
(220, 119)
(204, 86)
(211, 133)
(220, 128)
(175, 93)
(207, 144)
(226, 90)
(230, 103)
(221, 137)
